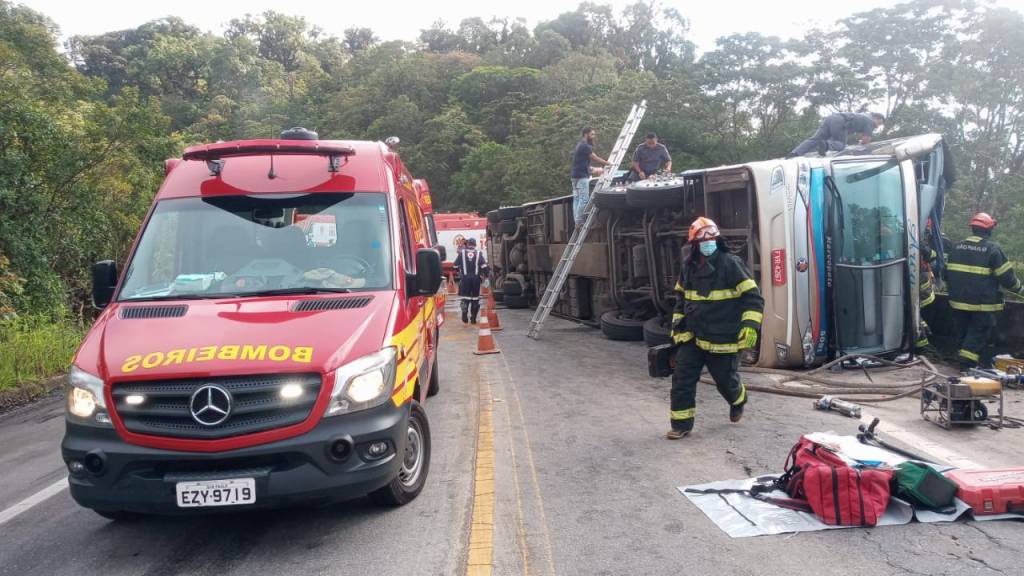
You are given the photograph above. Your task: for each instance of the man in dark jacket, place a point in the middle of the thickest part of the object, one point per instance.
(718, 312)
(471, 265)
(977, 268)
(835, 131)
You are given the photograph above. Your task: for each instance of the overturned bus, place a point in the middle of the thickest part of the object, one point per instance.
(834, 243)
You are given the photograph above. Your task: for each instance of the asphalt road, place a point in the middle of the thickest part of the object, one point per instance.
(583, 483)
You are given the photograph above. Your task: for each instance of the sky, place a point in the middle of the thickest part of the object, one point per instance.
(403, 19)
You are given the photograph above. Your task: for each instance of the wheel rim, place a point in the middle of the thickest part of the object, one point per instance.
(412, 462)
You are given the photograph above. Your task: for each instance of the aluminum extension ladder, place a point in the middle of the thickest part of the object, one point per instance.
(554, 287)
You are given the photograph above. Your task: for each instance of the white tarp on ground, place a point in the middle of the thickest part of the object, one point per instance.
(740, 516)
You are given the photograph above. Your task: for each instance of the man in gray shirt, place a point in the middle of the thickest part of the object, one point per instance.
(649, 156)
(835, 131)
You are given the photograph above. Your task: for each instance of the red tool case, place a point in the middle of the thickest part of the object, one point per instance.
(991, 491)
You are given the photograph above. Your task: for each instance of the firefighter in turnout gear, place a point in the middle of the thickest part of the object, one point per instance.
(718, 312)
(926, 291)
(471, 265)
(977, 268)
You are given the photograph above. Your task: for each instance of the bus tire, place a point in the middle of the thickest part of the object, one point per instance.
(656, 194)
(493, 217)
(611, 199)
(516, 302)
(510, 213)
(657, 331)
(508, 228)
(615, 326)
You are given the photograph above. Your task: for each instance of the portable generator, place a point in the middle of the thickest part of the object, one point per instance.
(963, 401)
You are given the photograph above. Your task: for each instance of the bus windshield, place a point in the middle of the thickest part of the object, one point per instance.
(262, 244)
(872, 217)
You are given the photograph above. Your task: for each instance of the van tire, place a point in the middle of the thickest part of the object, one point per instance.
(402, 489)
(435, 378)
(516, 302)
(656, 194)
(493, 217)
(611, 199)
(657, 331)
(617, 327)
(510, 213)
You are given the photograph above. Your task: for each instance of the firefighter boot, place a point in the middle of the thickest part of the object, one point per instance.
(674, 434)
(465, 311)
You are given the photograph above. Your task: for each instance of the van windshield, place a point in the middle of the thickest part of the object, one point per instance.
(262, 244)
(872, 216)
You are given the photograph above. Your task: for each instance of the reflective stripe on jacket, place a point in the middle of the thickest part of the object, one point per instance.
(977, 268)
(714, 301)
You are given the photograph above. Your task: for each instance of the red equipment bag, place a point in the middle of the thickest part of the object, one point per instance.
(994, 491)
(837, 493)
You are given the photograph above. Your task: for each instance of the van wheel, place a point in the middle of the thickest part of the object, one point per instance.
(617, 326)
(119, 515)
(435, 384)
(656, 331)
(412, 475)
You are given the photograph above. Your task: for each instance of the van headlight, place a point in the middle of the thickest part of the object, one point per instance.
(86, 404)
(363, 383)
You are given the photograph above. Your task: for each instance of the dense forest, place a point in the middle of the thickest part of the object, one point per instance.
(487, 110)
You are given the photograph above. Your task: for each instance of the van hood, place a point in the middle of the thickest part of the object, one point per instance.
(236, 336)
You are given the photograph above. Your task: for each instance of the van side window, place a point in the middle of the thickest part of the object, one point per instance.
(403, 220)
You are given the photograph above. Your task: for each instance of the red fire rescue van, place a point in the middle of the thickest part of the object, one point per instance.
(271, 340)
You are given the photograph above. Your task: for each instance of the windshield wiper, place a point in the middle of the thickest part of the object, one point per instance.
(300, 290)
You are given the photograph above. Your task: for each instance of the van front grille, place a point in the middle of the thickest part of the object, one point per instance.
(254, 404)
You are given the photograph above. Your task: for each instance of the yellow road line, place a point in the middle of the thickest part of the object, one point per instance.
(481, 534)
(533, 469)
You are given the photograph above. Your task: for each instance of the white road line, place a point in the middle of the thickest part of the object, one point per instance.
(920, 443)
(26, 504)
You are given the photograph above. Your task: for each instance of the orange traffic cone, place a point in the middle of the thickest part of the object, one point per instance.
(492, 313)
(485, 344)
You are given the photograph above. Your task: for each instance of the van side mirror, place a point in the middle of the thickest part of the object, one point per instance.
(104, 280)
(427, 280)
(442, 251)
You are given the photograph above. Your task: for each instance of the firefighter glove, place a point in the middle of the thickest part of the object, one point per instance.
(748, 337)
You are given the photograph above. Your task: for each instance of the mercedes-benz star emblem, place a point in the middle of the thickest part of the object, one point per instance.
(210, 405)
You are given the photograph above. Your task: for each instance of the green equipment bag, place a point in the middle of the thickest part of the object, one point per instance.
(923, 486)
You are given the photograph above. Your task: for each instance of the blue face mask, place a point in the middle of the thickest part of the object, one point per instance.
(708, 247)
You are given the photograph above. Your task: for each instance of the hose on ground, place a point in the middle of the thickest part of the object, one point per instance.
(812, 385)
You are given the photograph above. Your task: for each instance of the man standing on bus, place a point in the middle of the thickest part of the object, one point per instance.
(718, 312)
(649, 157)
(835, 131)
(976, 269)
(580, 175)
(471, 264)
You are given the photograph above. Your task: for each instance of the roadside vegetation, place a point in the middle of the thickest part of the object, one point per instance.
(32, 350)
(487, 111)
